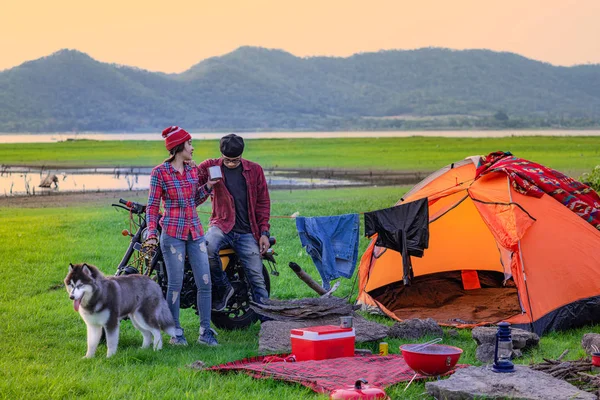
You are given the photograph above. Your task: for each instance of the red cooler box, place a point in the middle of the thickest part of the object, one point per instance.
(322, 342)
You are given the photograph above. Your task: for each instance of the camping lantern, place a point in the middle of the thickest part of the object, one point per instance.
(503, 350)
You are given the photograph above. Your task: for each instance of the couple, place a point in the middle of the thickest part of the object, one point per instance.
(240, 218)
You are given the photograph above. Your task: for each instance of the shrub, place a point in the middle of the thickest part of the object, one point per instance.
(592, 179)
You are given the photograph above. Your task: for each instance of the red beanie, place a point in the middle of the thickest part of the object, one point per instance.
(174, 136)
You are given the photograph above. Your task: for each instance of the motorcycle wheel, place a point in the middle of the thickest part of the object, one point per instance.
(139, 264)
(239, 315)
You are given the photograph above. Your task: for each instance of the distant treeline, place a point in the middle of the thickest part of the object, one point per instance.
(260, 89)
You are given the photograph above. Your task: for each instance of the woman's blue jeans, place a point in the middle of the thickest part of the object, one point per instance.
(174, 251)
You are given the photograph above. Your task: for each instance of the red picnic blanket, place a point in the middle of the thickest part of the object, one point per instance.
(323, 376)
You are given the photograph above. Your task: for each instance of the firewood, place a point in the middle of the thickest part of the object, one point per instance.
(571, 371)
(589, 376)
(551, 361)
(559, 367)
(564, 353)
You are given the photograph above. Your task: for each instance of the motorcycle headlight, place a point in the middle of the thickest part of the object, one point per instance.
(144, 235)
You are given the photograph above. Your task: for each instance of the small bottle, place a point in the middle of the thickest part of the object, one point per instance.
(383, 349)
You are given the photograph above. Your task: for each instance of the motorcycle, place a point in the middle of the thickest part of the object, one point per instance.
(139, 259)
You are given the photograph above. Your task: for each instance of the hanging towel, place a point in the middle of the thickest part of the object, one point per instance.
(403, 228)
(332, 243)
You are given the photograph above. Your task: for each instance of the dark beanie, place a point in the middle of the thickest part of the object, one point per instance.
(232, 145)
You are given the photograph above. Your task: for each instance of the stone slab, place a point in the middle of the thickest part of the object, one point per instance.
(523, 384)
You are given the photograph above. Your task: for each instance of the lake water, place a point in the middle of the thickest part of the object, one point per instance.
(15, 181)
(20, 181)
(59, 137)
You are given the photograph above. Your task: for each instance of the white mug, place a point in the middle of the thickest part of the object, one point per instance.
(215, 173)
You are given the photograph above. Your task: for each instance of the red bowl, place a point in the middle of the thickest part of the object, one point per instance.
(596, 359)
(435, 359)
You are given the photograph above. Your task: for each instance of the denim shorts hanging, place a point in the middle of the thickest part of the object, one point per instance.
(332, 243)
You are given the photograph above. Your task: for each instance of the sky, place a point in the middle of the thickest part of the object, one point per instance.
(171, 36)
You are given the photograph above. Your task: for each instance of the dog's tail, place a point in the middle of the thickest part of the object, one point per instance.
(165, 319)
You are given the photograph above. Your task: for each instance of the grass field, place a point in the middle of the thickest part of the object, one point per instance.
(571, 155)
(43, 339)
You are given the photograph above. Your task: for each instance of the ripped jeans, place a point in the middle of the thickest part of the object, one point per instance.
(174, 251)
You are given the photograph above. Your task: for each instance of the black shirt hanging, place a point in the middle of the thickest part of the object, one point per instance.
(403, 228)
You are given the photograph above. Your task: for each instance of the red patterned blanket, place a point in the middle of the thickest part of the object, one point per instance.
(323, 376)
(533, 179)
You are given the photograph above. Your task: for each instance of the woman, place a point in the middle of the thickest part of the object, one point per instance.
(176, 183)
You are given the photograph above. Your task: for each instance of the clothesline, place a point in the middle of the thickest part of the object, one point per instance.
(281, 216)
(332, 241)
(431, 196)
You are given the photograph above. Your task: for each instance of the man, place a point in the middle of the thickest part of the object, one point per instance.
(240, 218)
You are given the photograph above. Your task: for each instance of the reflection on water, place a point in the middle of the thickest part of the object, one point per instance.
(16, 181)
(20, 181)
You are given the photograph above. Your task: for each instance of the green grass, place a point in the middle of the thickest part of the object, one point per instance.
(43, 339)
(572, 155)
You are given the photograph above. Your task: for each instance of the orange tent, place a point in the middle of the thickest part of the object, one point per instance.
(494, 254)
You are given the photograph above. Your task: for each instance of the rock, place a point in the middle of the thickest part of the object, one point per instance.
(374, 310)
(524, 383)
(517, 353)
(485, 352)
(452, 333)
(486, 340)
(274, 336)
(199, 364)
(304, 309)
(48, 181)
(522, 339)
(415, 328)
(589, 341)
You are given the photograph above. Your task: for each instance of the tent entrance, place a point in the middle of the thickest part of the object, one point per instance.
(442, 296)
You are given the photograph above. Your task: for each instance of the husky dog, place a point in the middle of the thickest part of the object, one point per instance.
(103, 301)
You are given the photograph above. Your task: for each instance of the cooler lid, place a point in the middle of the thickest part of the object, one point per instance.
(320, 330)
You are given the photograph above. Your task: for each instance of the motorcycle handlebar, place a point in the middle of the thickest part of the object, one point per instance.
(132, 206)
(138, 208)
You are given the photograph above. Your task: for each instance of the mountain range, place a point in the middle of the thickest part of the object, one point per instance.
(254, 88)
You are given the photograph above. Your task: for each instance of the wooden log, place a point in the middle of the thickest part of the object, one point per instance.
(590, 376)
(559, 367)
(333, 289)
(551, 361)
(307, 279)
(564, 353)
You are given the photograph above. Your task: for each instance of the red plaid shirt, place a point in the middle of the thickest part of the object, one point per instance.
(180, 194)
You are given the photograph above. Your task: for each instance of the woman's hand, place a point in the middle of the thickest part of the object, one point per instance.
(191, 163)
(151, 242)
